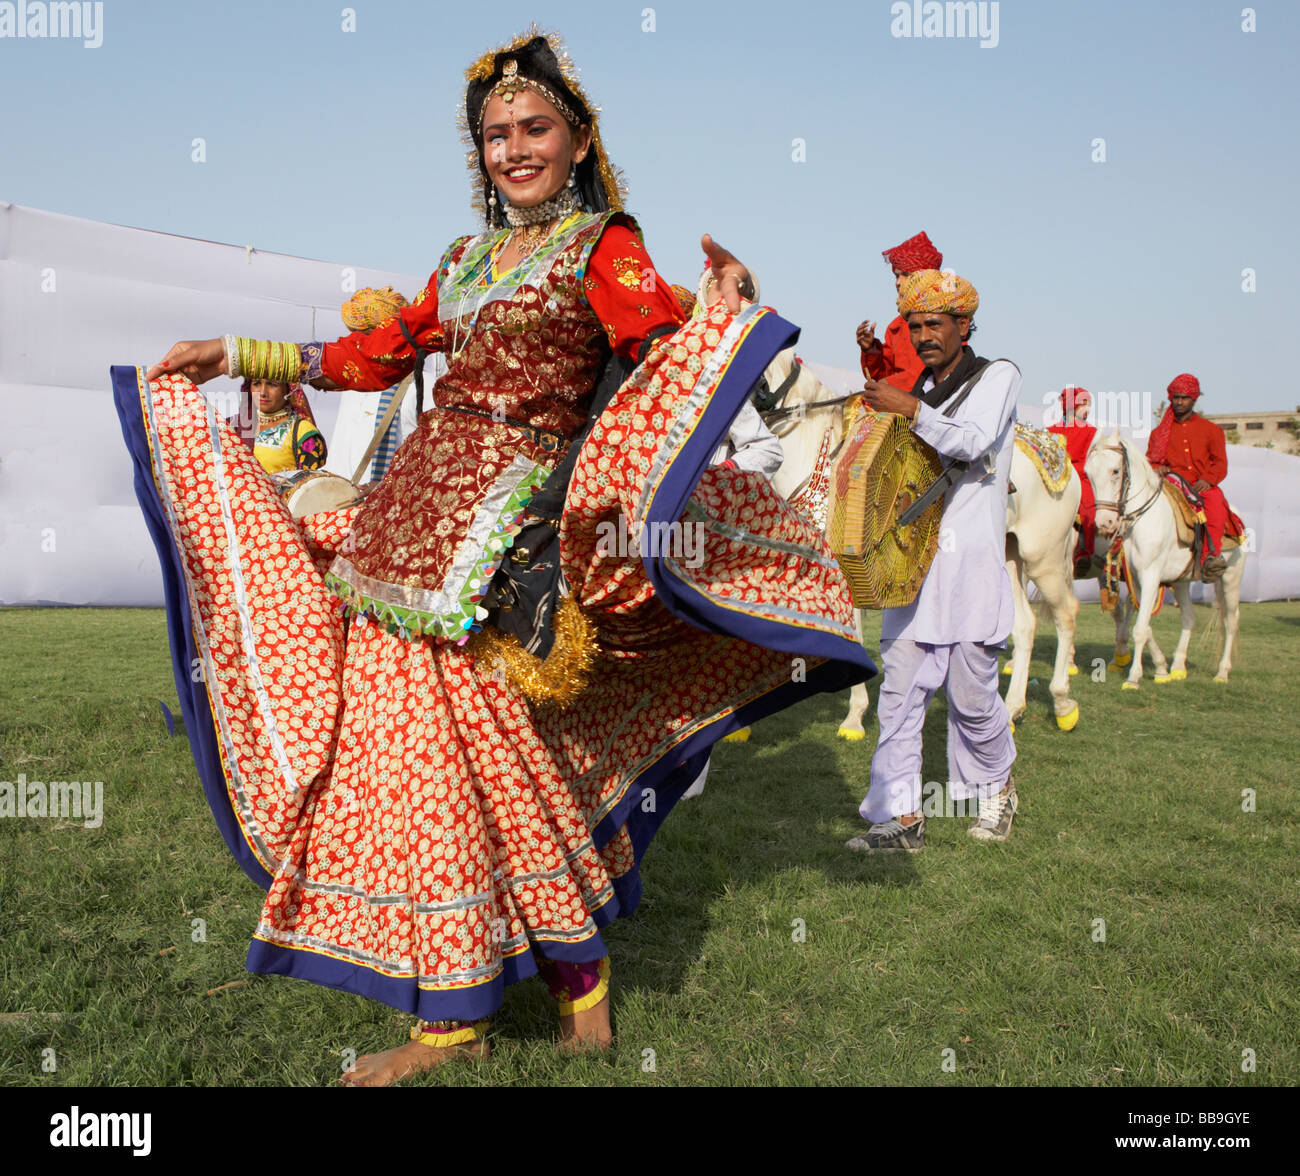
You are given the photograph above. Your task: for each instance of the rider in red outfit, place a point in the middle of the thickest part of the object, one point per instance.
(1189, 445)
(895, 360)
(1077, 436)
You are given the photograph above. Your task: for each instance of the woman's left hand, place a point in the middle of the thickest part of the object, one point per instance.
(729, 277)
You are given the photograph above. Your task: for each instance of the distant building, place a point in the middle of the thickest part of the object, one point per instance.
(1267, 430)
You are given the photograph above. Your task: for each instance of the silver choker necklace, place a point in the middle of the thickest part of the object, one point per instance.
(560, 205)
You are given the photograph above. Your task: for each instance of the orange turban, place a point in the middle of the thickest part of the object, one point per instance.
(685, 299)
(935, 292)
(370, 308)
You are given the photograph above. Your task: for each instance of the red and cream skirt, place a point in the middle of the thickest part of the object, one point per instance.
(420, 825)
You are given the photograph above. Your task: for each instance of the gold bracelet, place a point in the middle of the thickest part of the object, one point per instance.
(261, 359)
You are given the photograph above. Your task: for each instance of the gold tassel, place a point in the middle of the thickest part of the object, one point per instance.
(557, 679)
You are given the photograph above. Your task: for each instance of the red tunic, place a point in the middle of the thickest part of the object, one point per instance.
(1197, 449)
(1078, 440)
(894, 360)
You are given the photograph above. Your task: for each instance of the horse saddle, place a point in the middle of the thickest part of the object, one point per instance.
(1184, 508)
(1190, 522)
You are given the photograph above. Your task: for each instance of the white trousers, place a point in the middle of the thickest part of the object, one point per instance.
(980, 747)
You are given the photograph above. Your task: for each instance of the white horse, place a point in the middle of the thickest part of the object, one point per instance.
(1040, 547)
(809, 423)
(1131, 502)
(1040, 525)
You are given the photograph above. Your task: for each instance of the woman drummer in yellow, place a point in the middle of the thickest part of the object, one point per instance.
(286, 437)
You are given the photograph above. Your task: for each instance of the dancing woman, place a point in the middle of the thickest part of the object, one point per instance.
(435, 809)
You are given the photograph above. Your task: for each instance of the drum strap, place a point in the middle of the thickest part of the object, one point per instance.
(387, 419)
(954, 472)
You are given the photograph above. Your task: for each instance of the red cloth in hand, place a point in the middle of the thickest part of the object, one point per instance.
(894, 361)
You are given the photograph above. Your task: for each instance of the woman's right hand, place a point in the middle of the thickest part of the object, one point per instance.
(200, 361)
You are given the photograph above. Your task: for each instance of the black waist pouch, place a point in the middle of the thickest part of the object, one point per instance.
(528, 586)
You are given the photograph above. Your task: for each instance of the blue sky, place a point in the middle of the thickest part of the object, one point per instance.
(1115, 275)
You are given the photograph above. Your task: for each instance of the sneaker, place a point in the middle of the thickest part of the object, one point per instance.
(890, 837)
(1212, 568)
(996, 815)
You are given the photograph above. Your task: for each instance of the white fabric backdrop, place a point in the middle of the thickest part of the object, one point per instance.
(77, 296)
(70, 529)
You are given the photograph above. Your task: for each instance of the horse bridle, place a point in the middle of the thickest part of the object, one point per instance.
(774, 416)
(1123, 521)
(779, 413)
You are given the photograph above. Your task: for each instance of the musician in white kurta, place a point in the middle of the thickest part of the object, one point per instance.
(751, 446)
(949, 636)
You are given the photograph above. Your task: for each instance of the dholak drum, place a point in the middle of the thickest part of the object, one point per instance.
(880, 471)
(306, 492)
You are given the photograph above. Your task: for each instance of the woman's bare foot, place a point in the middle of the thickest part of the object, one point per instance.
(383, 1069)
(587, 1030)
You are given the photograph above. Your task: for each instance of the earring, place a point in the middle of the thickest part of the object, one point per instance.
(573, 176)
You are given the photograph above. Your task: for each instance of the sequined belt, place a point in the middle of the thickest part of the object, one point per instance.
(551, 442)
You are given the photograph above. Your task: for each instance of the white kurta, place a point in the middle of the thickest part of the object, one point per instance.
(966, 596)
(751, 445)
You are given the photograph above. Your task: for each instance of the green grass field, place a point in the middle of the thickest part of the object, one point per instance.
(990, 952)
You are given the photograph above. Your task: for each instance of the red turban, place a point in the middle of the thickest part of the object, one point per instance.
(1072, 397)
(916, 253)
(1158, 447)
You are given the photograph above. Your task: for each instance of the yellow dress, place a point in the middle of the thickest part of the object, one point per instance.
(288, 442)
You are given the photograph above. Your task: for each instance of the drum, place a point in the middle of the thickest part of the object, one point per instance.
(880, 471)
(306, 492)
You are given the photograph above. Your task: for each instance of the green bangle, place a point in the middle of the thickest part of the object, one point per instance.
(260, 359)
